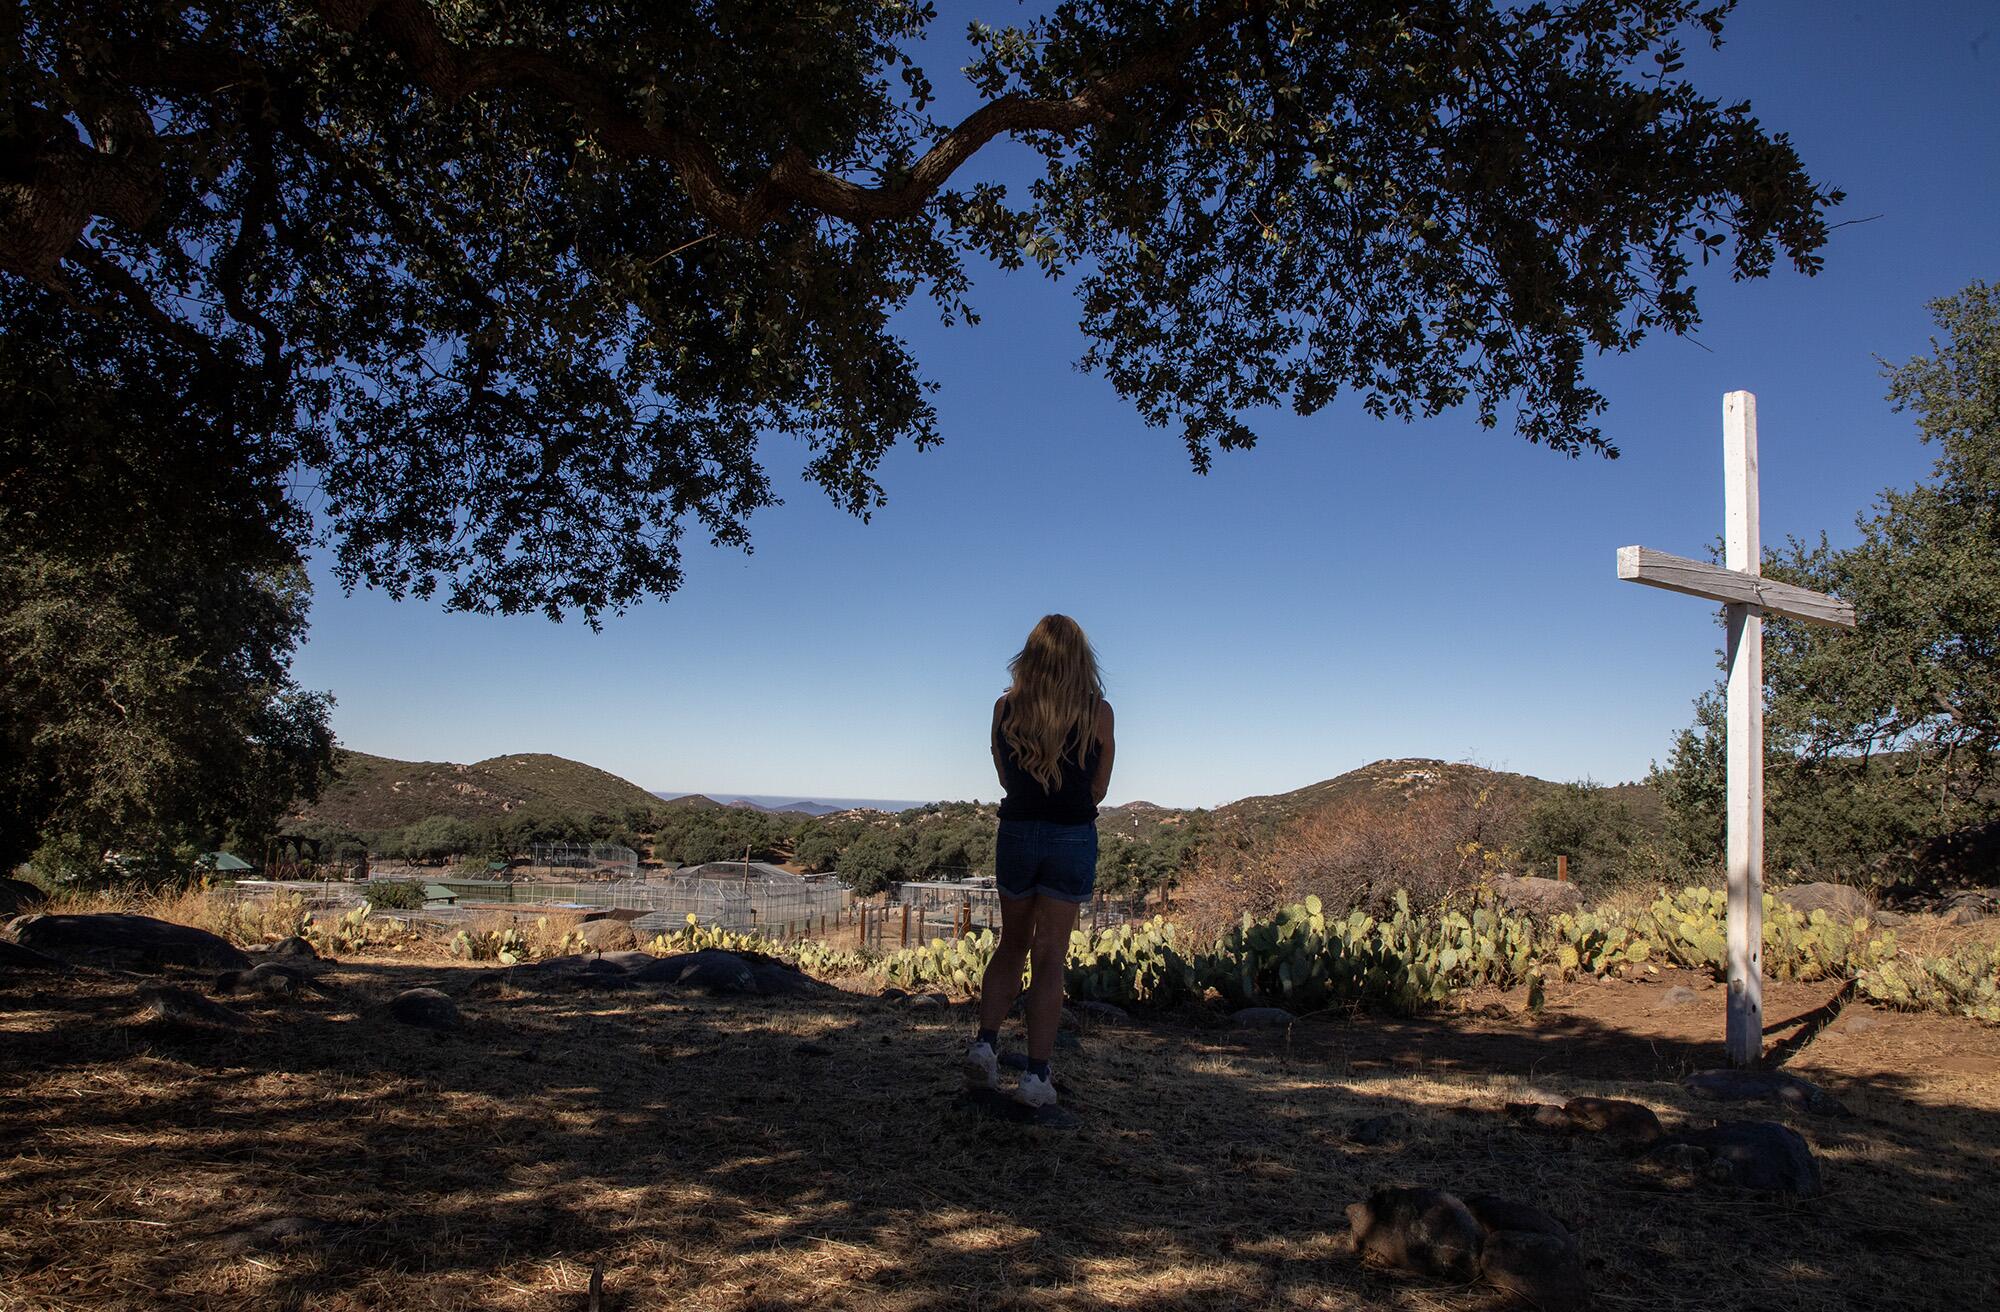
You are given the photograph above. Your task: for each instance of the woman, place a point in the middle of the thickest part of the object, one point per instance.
(1052, 746)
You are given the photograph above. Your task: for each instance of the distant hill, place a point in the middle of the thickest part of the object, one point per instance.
(375, 792)
(792, 805)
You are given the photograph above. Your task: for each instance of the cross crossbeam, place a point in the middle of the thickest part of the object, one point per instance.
(1748, 597)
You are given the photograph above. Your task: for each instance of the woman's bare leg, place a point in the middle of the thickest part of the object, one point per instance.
(1002, 982)
(1053, 919)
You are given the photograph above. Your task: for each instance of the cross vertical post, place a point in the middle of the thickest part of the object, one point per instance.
(1743, 553)
(1747, 597)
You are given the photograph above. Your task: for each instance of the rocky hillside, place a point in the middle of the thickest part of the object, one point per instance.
(374, 793)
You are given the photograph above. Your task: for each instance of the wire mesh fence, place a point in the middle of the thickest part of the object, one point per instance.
(589, 860)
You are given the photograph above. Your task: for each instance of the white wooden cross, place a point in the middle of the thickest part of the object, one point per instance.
(1747, 598)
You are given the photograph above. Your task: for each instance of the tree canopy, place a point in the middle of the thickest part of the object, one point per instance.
(521, 291)
(1883, 744)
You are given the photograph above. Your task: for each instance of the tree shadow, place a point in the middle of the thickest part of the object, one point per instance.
(793, 1153)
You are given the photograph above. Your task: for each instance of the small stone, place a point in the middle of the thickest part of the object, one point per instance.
(425, 1008)
(1762, 1155)
(1372, 1131)
(1425, 1231)
(1539, 1115)
(1728, 1085)
(1679, 996)
(1630, 1121)
(1251, 1018)
(924, 1002)
(1965, 913)
(175, 1006)
(1859, 1022)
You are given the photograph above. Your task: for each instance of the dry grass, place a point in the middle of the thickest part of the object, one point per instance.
(761, 1154)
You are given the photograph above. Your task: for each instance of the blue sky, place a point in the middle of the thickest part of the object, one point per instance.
(1349, 590)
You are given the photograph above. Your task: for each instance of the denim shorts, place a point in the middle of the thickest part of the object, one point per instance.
(1034, 858)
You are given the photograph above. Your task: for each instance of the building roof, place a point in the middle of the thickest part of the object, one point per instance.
(227, 863)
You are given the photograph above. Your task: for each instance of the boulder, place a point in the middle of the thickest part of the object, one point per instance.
(1255, 1018)
(426, 1009)
(1842, 901)
(1424, 1231)
(1761, 1155)
(1728, 1085)
(1540, 1115)
(14, 957)
(1529, 1253)
(1541, 1269)
(1531, 895)
(294, 948)
(18, 895)
(608, 935)
(172, 1006)
(1631, 1122)
(129, 941)
(270, 978)
(710, 969)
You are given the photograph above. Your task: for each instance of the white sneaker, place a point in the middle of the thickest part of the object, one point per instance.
(1036, 1090)
(982, 1066)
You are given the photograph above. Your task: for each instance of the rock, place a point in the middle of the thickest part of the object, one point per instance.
(18, 895)
(1964, 913)
(1841, 901)
(1888, 919)
(608, 935)
(15, 957)
(1532, 895)
(293, 947)
(1529, 1253)
(893, 995)
(1425, 1231)
(1252, 1018)
(1102, 1011)
(1761, 1155)
(1372, 1131)
(924, 1002)
(269, 978)
(1679, 996)
(777, 978)
(1682, 1156)
(579, 970)
(130, 940)
(426, 1009)
(1543, 1269)
(1629, 1121)
(173, 1006)
(1540, 1115)
(1728, 1085)
(710, 969)
(1858, 1022)
(1496, 1213)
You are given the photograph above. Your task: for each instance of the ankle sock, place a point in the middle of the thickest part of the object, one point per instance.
(1039, 1069)
(990, 1038)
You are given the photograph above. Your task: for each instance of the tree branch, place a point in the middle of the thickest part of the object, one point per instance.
(410, 28)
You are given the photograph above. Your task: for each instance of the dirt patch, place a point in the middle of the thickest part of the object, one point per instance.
(743, 1154)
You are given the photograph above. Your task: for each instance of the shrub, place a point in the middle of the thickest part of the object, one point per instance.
(395, 895)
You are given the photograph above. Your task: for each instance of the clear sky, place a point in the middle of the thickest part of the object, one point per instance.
(1347, 591)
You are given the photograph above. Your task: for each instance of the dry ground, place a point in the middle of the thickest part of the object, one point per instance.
(786, 1154)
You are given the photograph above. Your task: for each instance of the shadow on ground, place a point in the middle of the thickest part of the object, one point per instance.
(716, 1153)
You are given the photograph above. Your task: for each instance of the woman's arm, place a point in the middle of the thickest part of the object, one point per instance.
(1100, 784)
(993, 741)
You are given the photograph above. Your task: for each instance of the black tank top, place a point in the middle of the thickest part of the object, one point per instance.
(1069, 804)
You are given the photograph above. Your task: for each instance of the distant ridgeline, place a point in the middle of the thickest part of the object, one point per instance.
(1417, 811)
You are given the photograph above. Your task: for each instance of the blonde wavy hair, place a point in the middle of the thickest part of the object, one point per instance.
(1052, 706)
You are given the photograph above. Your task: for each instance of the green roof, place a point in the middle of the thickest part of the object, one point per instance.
(225, 862)
(439, 893)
